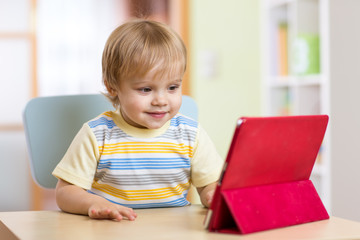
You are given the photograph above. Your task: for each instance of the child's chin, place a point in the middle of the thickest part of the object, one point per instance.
(155, 125)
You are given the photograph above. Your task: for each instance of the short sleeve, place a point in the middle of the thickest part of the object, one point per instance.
(206, 164)
(79, 163)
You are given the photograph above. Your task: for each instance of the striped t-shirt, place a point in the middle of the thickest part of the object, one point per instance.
(140, 168)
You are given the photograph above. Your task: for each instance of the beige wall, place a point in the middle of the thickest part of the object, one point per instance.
(225, 64)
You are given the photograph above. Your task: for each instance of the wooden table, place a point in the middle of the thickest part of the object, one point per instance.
(164, 223)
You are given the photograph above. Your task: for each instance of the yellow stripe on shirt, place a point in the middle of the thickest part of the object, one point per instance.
(150, 147)
(138, 195)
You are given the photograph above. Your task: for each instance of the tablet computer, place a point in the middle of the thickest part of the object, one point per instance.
(265, 179)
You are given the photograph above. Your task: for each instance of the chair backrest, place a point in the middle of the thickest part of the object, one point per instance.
(51, 123)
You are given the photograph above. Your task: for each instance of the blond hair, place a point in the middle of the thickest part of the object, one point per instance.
(135, 48)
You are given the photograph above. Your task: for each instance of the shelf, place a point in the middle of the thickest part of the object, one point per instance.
(328, 90)
(278, 3)
(295, 81)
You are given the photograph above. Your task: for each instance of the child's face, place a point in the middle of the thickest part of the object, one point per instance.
(149, 102)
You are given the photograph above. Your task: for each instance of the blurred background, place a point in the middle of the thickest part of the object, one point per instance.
(246, 58)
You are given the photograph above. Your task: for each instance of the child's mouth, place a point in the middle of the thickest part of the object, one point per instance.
(157, 114)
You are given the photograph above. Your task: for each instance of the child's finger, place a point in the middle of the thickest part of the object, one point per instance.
(95, 213)
(128, 213)
(102, 213)
(115, 215)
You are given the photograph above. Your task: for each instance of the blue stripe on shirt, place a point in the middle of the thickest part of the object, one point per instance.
(102, 121)
(144, 163)
(178, 120)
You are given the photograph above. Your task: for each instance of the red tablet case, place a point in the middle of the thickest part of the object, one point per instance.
(265, 181)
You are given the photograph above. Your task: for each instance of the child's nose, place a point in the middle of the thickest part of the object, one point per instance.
(159, 99)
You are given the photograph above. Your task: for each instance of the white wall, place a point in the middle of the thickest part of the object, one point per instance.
(344, 108)
(15, 81)
(14, 171)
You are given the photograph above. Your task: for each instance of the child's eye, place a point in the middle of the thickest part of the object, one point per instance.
(145, 89)
(174, 87)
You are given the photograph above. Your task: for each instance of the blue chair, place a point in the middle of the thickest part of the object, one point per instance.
(51, 123)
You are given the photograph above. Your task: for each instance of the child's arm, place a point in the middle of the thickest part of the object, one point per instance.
(206, 193)
(73, 199)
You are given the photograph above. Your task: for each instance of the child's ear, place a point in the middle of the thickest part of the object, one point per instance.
(110, 90)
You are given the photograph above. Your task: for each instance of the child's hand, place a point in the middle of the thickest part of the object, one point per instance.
(209, 196)
(207, 193)
(73, 199)
(111, 211)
